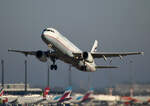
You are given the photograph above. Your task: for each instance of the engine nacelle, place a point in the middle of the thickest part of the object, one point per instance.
(41, 56)
(87, 57)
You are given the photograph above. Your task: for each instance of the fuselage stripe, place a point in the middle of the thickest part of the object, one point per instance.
(60, 42)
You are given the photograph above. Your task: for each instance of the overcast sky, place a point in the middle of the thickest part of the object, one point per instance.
(118, 25)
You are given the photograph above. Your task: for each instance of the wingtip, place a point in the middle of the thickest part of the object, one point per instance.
(115, 67)
(142, 53)
(10, 49)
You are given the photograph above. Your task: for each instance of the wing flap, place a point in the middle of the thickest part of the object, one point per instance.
(109, 54)
(114, 54)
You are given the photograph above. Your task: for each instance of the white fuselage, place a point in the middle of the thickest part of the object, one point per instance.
(29, 99)
(65, 49)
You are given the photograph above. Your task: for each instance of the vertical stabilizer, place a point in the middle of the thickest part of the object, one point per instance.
(87, 95)
(66, 94)
(46, 91)
(1, 91)
(95, 45)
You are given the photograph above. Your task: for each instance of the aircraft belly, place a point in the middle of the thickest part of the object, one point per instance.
(65, 54)
(58, 47)
(76, 63)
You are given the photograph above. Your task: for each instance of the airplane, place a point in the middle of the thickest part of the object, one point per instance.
(61, 98)
(33, 99)
(46, 91)
(136, 101)
(127, 100)
(4, 99)
(63, 49)
(146, 102)
(1, 91)
(81, 99)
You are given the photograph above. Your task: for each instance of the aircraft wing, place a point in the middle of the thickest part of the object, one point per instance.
(114, 54)
(109, 54)
(23, 52)
(26, 53)
(13, 101)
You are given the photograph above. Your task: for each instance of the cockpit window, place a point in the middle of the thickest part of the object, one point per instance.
(50, 30)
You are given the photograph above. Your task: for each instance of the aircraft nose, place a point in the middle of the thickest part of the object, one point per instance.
(43, 32)
(42, 35)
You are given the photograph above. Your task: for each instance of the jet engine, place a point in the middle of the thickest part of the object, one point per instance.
(87, 57)
(41, 55)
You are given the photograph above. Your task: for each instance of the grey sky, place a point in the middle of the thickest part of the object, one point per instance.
(118, 25)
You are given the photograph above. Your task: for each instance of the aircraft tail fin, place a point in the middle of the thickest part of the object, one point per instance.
(1, 91)
(87, 95)
(106, 67)
(66, 94)
(46, 91)
(5, 100)
(95, 45)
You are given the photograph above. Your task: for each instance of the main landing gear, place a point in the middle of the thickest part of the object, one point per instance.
(53, 66)
(83, 68)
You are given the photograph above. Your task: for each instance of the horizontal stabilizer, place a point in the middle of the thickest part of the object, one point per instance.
(106, 67)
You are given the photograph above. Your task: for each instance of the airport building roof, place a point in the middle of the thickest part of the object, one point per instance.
(15, 86)
(19, 88)
(29, 89)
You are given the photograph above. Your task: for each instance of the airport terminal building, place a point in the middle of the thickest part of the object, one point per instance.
(137, 89)
(19, 89)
